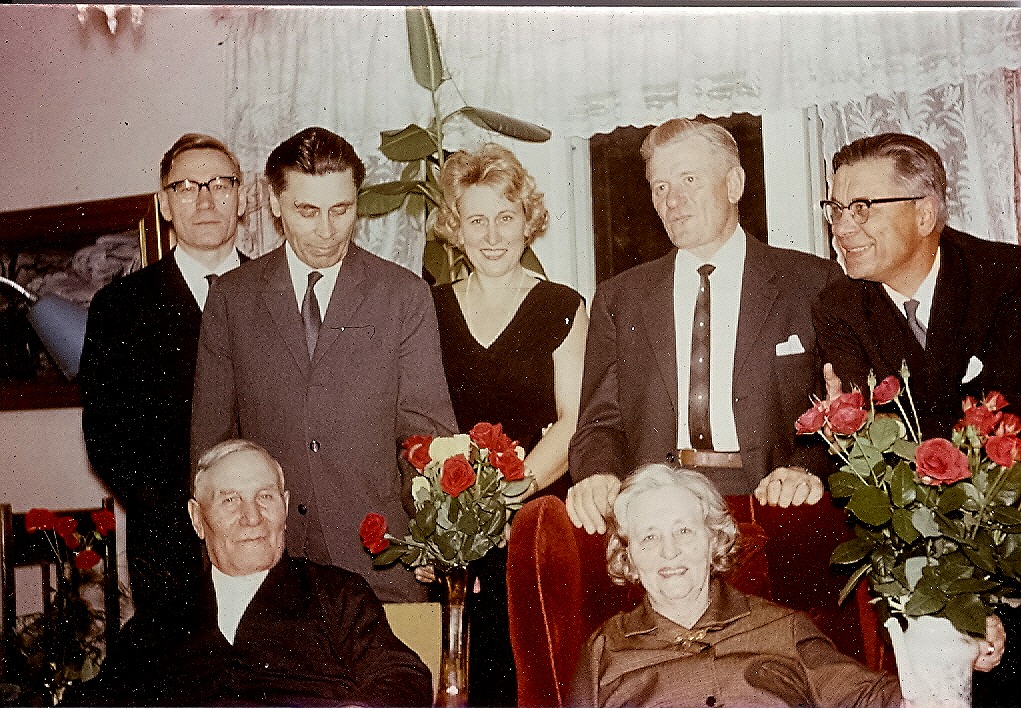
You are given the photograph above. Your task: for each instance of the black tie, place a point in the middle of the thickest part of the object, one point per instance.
(698, 386)
(310, 314)
(917, 328)
(211, 278)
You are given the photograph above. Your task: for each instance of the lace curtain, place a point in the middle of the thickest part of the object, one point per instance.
(947, 74)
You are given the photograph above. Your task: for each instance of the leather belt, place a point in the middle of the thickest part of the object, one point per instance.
(709, 458)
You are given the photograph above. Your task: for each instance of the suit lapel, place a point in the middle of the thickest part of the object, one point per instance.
(169, 275)
(658, 314)
(758, 294)
(950, 309)
(278, 297)
(348, 293)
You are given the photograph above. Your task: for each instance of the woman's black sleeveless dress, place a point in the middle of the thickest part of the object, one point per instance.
(510, 382)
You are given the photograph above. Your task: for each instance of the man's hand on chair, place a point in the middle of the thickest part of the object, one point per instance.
(789, 486)
(590, 501)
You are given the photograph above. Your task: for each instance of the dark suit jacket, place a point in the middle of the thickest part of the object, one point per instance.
(335, 424)
(312, 635)
(976, 312)
(629, 402)
(136, 375)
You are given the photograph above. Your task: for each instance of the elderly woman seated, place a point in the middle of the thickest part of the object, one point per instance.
(694, 640)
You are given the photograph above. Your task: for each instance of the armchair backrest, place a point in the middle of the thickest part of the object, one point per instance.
(559, 592)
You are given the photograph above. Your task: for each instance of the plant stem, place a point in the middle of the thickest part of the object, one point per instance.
(914, 412)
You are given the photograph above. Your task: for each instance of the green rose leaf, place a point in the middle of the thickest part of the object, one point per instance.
(970, 585)
(952, 498)
(884, 432)
(981, 556)
(967, 613)
(903, 527)
(843, 484)
(913, 568)
(871, 505)
(925, 600)
(388, 557)
(904, 449)
(923, 520)
(852, 551)
(903, 489)
(1007, 515)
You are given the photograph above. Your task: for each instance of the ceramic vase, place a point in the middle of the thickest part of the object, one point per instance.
(934, 662)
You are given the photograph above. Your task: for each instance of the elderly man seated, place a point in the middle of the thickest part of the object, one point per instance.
(267, 629)
(697, 641)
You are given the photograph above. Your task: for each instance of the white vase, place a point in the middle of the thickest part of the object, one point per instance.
(934, 662)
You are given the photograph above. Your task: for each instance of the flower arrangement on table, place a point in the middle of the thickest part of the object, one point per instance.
(465, 490)
(64, 645)
(937, 521)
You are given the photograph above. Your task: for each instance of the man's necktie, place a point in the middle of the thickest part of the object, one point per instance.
(698, 387)
(210, 279)
(917, 328)
(310, 313)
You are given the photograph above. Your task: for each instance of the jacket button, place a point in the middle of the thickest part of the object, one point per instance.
(302, 509)
(711, 701)
(314, 446)
(671, 457)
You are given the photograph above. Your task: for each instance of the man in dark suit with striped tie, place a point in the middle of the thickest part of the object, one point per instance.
(946, 303)
(138, 366)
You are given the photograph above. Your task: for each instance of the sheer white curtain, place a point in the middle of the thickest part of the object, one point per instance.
(579, 71)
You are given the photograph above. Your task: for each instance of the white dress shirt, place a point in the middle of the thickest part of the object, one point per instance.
(299, 279)
(195, 273)
(924, 294)
(233, 596)
(724, 308)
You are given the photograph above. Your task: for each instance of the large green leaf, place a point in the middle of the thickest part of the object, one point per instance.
(952, 498)
(505, 125)
(883, 432)
(923, 520)
(904, 449)
(871, 505)
(411, 143)
(903, 489)
(852, 551)
(967, 613)
(925, 600)
(843, 484)
(426, 64)
(1007, 515)
(379, 199)
(389, 556)
(903, 527)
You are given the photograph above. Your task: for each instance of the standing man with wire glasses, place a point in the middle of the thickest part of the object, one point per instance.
(945, 302)
(138, 366)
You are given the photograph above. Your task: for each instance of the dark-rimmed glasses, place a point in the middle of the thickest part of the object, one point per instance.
(219, 188)
(859, 208)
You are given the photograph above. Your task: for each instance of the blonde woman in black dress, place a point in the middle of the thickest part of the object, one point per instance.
(513, 349)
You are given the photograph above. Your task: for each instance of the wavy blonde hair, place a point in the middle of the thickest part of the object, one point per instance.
(492, 166)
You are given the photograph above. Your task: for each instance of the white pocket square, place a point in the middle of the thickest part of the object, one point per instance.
(974, 369)
(791, 346)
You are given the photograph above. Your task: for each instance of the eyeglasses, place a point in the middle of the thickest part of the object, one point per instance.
(859, 208)
(219, 188)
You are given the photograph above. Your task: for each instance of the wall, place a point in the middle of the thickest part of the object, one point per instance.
(87, 115)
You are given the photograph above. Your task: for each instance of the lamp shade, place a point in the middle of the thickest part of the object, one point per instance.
(60, 325)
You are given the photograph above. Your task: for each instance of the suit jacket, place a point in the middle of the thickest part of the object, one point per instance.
(744, 651)
(976, 314)
(137, 369)
(334, 423)
(312, 635)
(629, 407)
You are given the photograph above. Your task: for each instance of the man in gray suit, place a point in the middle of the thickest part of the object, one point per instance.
(644, 397)
(328, 357)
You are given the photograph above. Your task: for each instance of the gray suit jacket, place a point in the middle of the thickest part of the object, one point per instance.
(629, 406)
(336, 422)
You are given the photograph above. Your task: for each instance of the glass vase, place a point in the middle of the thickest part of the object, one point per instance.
(452, 687)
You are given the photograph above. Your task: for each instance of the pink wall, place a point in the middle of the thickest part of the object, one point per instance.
(86, 115)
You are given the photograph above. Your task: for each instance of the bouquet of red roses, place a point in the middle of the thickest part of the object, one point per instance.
(937, 521)
(465, 491)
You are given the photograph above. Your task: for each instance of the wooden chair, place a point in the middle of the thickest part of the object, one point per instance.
(559, 593)
(18, 548)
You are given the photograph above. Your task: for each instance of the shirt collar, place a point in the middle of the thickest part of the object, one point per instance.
(195, 273)
(299, 271)
(925, 292)
(730, 255)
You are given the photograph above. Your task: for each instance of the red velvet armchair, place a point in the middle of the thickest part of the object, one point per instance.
(559, 592)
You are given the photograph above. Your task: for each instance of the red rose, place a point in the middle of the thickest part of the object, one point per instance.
(854, 399)
(938, 461)
(982, 419)
(457, 475)
(104, 521)
(86, 559)
(995, 401)
(811, 421)
(1004, 450)
(848, 420)
(1010, 424)
(886, 391)
(72, 541)
(66, 526)
(40, 520)
(416, 451)
(510, 465)
(491, 437)
(373, 533)
(968, 403)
